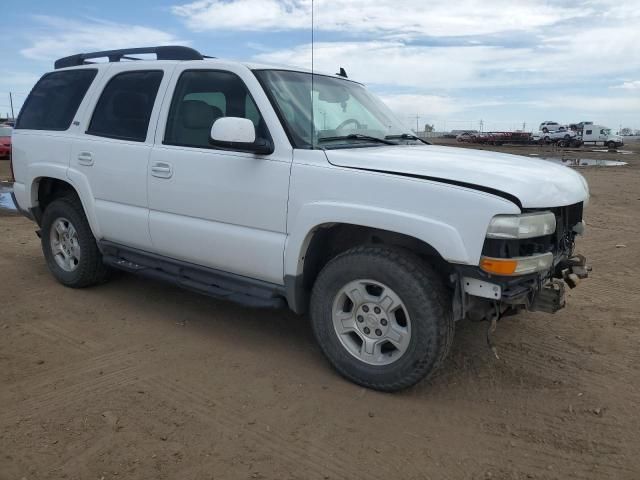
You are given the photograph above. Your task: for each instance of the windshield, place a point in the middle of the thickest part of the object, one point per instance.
(345, 114)
(5, 131)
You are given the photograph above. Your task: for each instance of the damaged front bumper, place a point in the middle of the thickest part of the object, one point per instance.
(479, 294)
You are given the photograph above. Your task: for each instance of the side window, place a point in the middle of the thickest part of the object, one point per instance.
(589, 132)
(55, 99)
(213, 99)
(200, 98)
(124, 108)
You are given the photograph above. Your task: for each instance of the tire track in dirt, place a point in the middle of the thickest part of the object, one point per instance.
(76, 392)
(58, 334)
(316, 464)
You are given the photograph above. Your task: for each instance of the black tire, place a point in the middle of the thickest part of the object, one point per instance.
(611, 145)
(424, 295)
(90, 269)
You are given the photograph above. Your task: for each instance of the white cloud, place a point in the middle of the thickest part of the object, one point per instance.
(436, 105)
(395, 63)
(595, 104)
(630, 85)
(409, 17)
(59, 37)
(577, 56)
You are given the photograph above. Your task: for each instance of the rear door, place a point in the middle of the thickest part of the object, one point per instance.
(112, 154)
(223, 209)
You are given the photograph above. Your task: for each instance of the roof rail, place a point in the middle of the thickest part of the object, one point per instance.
(162, 53)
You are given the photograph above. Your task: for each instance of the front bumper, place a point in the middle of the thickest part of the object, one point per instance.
(543, 291)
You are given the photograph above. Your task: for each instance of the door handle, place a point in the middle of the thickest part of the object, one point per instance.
(85, 158)
(161, 170)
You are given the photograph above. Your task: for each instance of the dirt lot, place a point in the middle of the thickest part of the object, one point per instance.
(139, 380)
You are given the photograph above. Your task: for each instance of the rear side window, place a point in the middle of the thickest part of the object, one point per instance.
(55, 99)
(124, 109)
(589, 132)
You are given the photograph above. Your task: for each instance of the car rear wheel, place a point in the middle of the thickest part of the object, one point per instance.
(69, 246)
(382, 317)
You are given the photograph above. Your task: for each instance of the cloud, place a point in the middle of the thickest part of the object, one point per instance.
(58, 37)
(436, 105)
(399, 64)
(595, 104)
(409, 17)
(573, 57)
(630, 85)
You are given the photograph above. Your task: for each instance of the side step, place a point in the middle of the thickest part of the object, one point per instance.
(207, 281)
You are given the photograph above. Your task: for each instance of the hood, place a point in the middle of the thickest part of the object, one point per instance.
(534, 183)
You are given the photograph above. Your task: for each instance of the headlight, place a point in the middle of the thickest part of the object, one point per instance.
(518, 265)
(527, 225)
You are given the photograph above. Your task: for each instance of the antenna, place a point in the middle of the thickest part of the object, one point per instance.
(312, 77)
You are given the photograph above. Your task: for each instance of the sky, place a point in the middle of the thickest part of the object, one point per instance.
(507, 63)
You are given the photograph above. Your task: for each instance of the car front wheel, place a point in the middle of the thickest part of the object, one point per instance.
(382, 317)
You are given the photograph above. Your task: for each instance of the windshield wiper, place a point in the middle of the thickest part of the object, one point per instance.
(357, 136)
(407, 136)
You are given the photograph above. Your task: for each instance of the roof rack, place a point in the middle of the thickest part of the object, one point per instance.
(162, 53)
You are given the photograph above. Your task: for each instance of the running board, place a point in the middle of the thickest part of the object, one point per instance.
(214, 283)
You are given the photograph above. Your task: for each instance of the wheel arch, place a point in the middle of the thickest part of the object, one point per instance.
(47, 188)
(327, 240)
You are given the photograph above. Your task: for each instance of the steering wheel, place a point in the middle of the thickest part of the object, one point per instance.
(349, 121)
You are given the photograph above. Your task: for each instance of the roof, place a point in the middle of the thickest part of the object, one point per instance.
(168, 54)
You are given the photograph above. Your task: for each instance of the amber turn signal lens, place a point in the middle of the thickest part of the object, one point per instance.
(499, 266)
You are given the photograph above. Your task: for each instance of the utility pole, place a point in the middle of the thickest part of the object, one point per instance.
(417, 123)
(13, 117)
(481, 125)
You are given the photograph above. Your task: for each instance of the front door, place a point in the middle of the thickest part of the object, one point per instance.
(222, 209)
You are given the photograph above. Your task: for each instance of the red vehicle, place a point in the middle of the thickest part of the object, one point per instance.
(5, 141)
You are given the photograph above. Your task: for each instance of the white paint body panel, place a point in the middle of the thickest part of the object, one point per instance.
(232, 129)
(223, 209)
(451, 219)
(254, 215)
(537, 183)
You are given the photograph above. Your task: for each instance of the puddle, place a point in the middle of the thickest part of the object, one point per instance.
(622, 152)
(6, 202)
(585, 162)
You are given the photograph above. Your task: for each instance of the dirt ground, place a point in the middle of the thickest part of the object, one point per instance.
(140, 380)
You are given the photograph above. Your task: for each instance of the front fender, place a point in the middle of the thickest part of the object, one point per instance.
(442, 237)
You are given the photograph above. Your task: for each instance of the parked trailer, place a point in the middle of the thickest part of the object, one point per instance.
(495, 138)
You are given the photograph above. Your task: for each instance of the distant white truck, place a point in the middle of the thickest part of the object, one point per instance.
(600, 135)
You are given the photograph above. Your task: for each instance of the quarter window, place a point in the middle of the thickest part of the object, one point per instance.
(203, 96)
(124, 109)
(55, 99)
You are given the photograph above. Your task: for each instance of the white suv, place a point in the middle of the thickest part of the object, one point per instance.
(272, 186)
(549, 126)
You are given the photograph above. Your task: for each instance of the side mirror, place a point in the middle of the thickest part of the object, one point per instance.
(238, 134)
